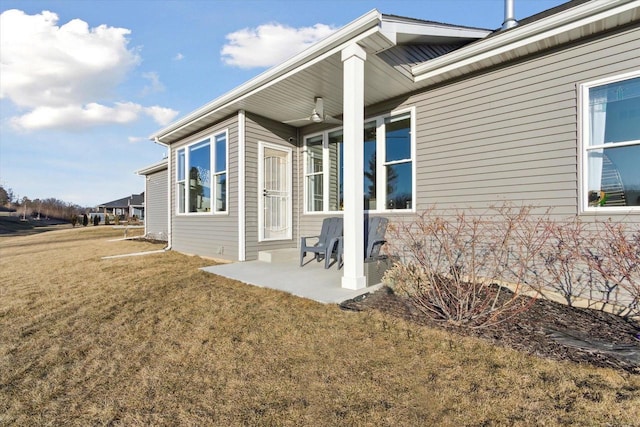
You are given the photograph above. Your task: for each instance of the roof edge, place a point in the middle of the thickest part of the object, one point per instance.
(521, 35)
(158, 166)
(370, 19)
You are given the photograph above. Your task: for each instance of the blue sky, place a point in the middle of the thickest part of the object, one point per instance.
(84, 83)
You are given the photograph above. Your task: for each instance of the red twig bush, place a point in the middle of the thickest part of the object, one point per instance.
(454, 267)
(450, 266)
(613, 256)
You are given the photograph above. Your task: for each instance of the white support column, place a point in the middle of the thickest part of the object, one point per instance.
(242, 238)
(353, 58)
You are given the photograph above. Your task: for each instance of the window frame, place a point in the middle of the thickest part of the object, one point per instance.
(584, 147)
(307, 174)
(381, 164)
(183, 202)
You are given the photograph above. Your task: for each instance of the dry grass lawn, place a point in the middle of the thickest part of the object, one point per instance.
(152, 340)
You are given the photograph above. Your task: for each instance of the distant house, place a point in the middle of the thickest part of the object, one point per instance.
(156, 203)
(126, 208)
(391, 115)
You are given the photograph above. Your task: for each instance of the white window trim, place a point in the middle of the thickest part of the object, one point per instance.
(212, 157)
(226, 171)
(305, 173)
(584, 147)
(380, 165)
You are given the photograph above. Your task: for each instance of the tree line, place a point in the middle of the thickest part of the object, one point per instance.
(38, 208)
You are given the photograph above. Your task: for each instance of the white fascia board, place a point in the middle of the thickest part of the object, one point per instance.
(391, 27)
(153, 168)
(348, 33)
(521, 36)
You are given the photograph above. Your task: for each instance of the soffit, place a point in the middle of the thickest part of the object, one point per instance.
(292, 95)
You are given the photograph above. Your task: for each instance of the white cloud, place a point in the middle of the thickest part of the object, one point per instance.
(75, 117)
(62, 75)
(269, 44)
(161, 115)
(43, 63)
(154, 83)
(135, 139)
(178, 57)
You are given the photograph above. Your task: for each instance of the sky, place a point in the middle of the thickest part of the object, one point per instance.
(83, 83)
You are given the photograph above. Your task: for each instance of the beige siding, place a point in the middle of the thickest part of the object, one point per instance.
(155, 212)
(214, 235)
(259, 129)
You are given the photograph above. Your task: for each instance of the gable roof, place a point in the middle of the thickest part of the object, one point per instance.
(560, 25)
(156, 167)
(133, 200)
(403, 55)
(288, 90)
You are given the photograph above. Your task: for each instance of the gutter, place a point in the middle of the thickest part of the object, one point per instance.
(520, 36)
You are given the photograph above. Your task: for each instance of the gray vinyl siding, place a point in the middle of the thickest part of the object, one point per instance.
(259, 129)
(156, 214)
(210, 235)
(511, 134)
(508, 134)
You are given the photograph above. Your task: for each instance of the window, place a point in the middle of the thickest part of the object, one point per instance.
(611, 144)
(398, 164)
(370, 166)
(388, 166)
(220, 172)
(314, 177)
(181, 193)
(336, 170)
(198, 185)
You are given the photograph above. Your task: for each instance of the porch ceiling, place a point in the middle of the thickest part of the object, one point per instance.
(288, 91)
(293, 97)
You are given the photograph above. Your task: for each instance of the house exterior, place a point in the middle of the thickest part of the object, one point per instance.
(127, 207)
(156, 200)
(391, 115)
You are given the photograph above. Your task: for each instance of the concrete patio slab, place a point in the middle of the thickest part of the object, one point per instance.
(311, 281)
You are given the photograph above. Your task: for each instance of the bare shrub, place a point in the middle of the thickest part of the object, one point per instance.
(613, 256)
(562, 268)
(450, 267)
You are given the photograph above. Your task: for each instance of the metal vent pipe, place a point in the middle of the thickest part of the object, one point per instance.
(509, 15)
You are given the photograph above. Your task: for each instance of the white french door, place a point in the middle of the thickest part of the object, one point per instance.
(274, 186)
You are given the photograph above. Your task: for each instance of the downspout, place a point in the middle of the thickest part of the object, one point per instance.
(169, 218)
(509, 15)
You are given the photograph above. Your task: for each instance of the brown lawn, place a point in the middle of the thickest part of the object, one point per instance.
(152, 340)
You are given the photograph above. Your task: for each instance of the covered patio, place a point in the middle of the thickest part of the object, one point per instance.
(280, 270)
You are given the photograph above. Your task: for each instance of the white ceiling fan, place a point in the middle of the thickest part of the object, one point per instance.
(317, 115)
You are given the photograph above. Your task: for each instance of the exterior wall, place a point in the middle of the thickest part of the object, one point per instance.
(511, 134)
(156, 205)
(259, 129)
(209, 235)
(505, 135)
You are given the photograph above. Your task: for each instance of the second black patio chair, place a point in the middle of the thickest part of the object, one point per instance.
(326, 245)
